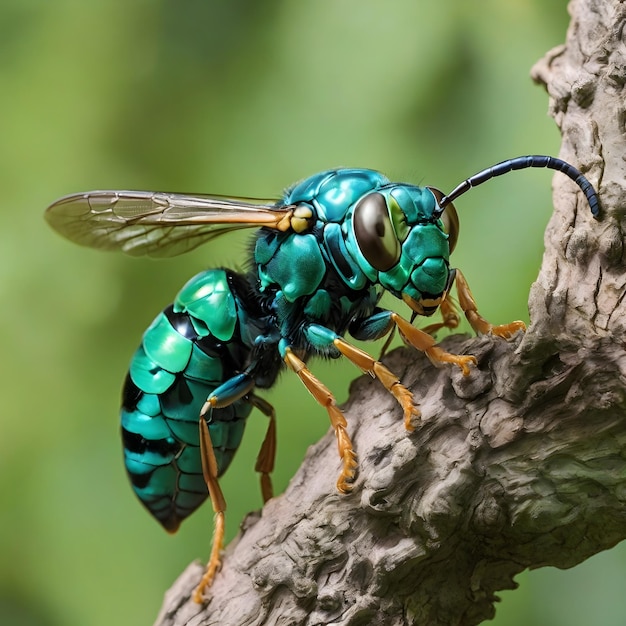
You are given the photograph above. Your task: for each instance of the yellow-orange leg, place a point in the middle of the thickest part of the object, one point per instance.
(450, 317)
(387, 343)
(267, 454)
(209, 471)
(338, 422)
(427, 344)
(477, 321)
(385, 376)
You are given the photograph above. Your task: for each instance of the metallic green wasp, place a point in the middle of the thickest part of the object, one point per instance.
(323, 256)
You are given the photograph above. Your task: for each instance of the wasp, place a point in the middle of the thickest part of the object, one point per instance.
(323, 256)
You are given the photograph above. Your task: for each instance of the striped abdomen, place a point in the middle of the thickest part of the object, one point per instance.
(190, 349)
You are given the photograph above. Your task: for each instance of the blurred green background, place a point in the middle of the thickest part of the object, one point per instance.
(240, 97)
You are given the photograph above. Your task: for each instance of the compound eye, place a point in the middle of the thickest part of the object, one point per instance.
(449, 218)
(374, 233)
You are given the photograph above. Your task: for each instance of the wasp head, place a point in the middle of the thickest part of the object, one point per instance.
(402, 243)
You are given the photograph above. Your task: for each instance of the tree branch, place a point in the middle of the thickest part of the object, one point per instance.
(520, 465)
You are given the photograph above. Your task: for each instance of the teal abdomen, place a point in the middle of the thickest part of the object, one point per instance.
(187, 352)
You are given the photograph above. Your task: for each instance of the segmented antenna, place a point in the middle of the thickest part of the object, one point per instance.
(520, 163)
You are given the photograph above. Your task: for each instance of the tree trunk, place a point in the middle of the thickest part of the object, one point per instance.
(522, 464)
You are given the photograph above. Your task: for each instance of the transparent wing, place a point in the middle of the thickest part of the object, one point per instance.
(153, 223)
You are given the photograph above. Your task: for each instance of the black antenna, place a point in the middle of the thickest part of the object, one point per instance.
(520, 163)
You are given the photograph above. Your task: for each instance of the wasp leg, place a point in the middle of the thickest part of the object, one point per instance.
(391, 382)
(323, 339)
(374, 327)
(447, 308)
(450, 317)
(227, 393)
(210, 471)
(427, 344)
(387, 343)
(267, 454)
(338, 422)
(477, 321)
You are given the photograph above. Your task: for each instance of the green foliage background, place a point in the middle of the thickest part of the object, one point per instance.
(240, 97)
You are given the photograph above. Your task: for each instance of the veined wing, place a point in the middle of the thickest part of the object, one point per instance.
(154, 223)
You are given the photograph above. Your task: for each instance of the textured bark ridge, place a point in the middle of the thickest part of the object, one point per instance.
(519, 465)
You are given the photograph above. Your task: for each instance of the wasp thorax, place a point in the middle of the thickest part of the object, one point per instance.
(375, 234)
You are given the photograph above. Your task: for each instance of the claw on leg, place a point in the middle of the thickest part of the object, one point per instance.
(463, 361)
(507, 330)
(346, 453)
(426, 343)
(267, 454)
(209, 470)
(477, 321)
(323, 396)
(450, 318)
(390, 381)
(214, 560)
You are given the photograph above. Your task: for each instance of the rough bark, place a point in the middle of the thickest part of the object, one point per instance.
(519, 465)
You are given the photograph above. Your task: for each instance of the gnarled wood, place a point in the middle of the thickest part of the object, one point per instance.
(520, 465)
